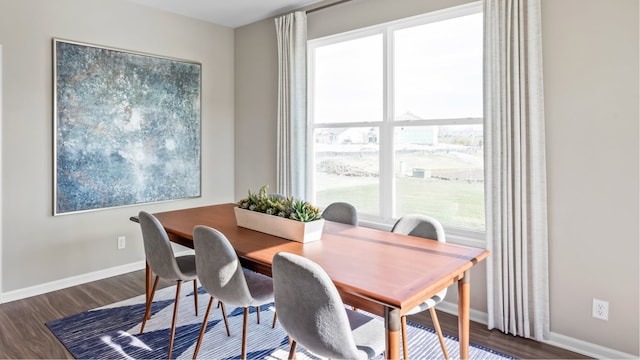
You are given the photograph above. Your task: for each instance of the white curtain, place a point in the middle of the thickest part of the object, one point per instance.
(516, 210)
(291, 31)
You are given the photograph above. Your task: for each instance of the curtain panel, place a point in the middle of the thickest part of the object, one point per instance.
(515, 169)
(291, 33)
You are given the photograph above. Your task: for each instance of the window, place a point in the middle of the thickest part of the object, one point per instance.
(395, 119)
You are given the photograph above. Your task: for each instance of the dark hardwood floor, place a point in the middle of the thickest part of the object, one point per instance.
(23, 334)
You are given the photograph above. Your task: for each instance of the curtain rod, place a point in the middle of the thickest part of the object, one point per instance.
(327, 6)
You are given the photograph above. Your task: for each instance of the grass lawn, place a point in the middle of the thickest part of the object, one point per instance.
(452, 189)
(453, 202)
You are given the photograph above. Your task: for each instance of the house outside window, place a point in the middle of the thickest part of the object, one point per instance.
(395, 119)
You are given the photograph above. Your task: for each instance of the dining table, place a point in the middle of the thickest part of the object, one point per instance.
(384, 273)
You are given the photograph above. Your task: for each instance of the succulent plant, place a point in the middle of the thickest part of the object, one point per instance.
(287, 207)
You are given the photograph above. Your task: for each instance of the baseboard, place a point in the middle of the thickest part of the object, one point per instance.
(452, 308)
(586, 348)
(70, 281)
(77, 280)
(555, 339)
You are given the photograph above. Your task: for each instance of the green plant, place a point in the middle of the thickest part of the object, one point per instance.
(288, 207)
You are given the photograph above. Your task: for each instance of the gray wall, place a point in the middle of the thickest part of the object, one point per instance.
(36, 247)
(591, 98)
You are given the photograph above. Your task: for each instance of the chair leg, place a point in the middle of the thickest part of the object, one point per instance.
(275, 318)
(224, 317)
(195, 295)
(292, 351)
(203, 328)
(244, 333)
(258, 314)
(175, 317)
(147, 310)
(436, 325)
(405, 348)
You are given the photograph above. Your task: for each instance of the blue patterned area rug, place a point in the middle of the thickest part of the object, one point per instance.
(111, 332)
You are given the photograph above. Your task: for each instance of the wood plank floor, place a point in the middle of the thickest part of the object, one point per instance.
(23, 334)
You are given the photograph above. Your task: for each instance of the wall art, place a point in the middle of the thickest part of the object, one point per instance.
(126, 128)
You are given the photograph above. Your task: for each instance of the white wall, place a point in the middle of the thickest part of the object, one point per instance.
(38, 248)
(591, 97)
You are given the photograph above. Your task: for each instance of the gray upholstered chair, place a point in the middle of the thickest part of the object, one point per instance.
(341, 212)
(221, 274)
(428, 228)
(165, 265)
(311, 311)
(277, 196)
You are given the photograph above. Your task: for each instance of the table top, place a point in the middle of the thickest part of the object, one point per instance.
(394, 270)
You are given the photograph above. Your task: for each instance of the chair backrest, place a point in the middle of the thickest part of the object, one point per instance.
(219, 268)
(420, 226)
(310, 309)
(157, 248)
(425, 227)
(277, 196)
(341, 212)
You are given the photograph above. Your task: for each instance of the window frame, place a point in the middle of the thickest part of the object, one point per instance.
(388, 124)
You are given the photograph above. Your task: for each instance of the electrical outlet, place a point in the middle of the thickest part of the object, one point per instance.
(122, 242)
(600, 309)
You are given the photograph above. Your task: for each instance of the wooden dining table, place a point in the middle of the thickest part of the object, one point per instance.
(381, 272)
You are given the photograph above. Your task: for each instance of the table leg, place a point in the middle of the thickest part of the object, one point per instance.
(464, 289)
(392, 332)
(147, 288)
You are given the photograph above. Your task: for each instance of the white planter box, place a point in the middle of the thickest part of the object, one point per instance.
(278, 226)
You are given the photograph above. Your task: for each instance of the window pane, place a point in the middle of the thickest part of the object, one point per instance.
(439, 172)
(348, 81)
(428, 167)
(347, 167)
(438, 70)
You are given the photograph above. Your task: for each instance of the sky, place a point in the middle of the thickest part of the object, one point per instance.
(437, 72)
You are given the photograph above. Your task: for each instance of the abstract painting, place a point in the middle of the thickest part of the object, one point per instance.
(127, 128)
